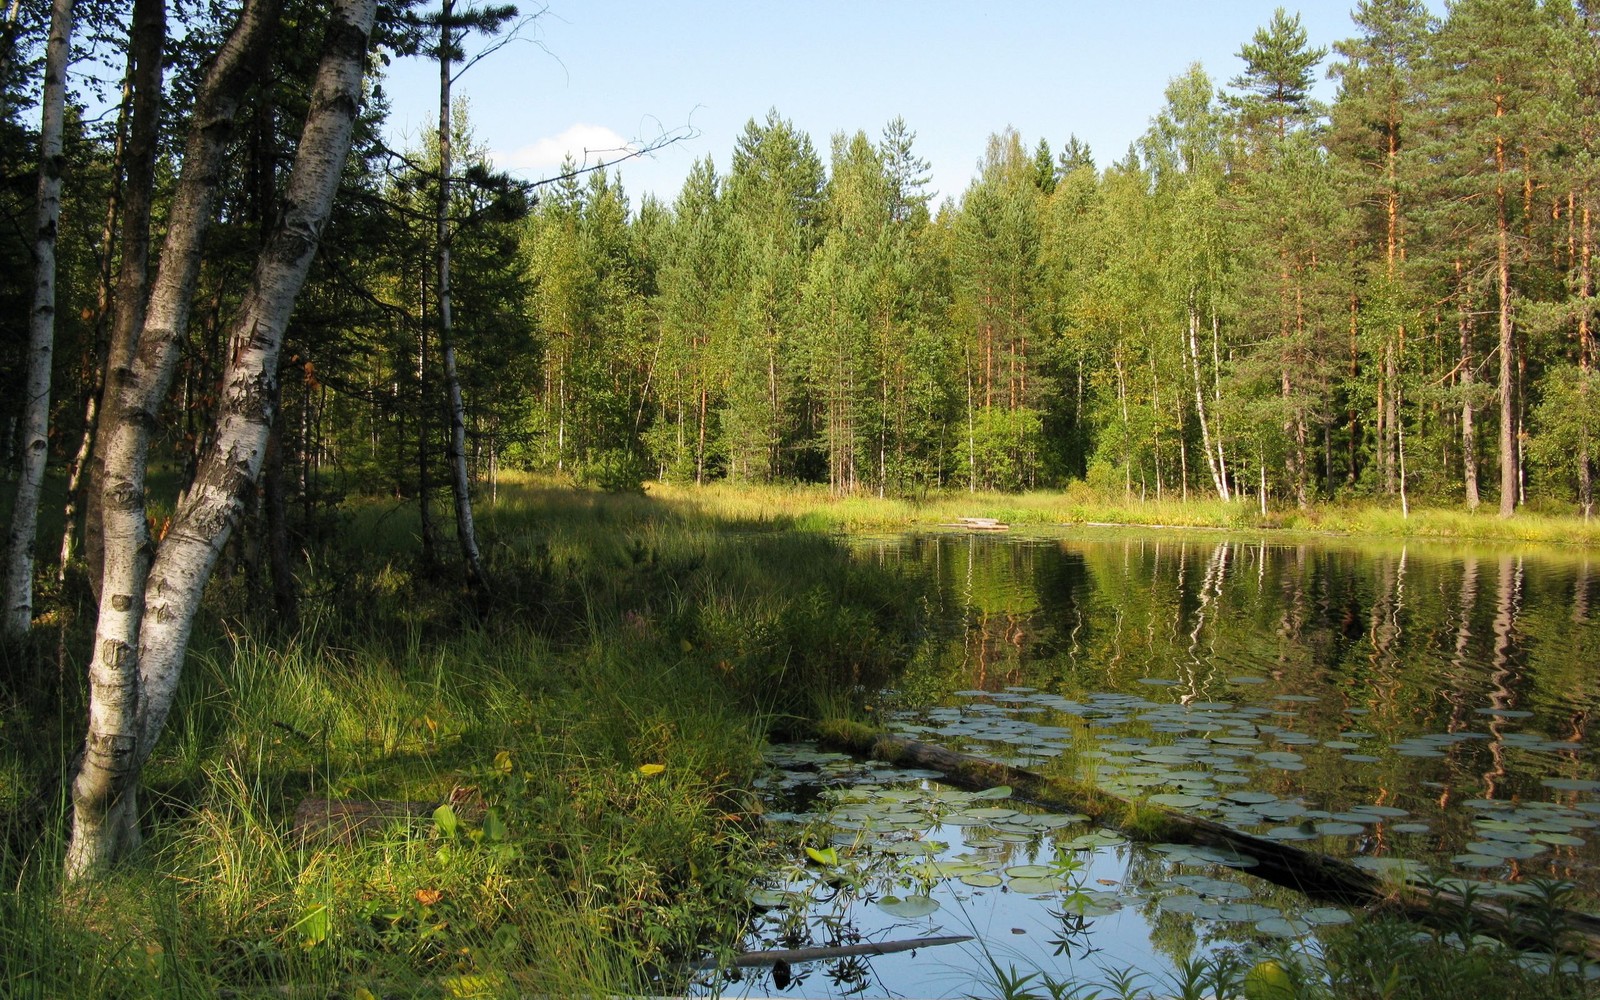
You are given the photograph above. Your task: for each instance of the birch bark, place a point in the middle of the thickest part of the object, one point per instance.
(146, 42)
(18, 607)
(150, 598)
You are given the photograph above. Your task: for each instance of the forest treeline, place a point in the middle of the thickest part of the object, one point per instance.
(1264, 298)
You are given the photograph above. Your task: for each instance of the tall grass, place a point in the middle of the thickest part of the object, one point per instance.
(594, 730)
(1079, 504)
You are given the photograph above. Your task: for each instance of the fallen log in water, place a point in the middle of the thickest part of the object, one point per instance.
(1317, 875)
(794, 956)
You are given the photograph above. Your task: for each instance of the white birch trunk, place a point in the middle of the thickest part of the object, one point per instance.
(146, 617)
(18, 613)
(103, 797)
(1200, 409)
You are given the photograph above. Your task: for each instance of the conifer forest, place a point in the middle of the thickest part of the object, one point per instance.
(1264, 297)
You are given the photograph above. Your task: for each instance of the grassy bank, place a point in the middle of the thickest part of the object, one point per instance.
(594, 731)
(1081, 505)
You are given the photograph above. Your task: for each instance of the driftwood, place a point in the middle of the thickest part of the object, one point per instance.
(794, 956)
(1317, 875)
(978, 524)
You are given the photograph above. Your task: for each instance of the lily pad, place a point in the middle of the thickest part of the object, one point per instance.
(911, 907)
(1187, 854)
(1248, 912)
(1393, 867)
(997, 792)
(1571, 784)
(1034, 886)
(1216, 888)
(1177, 800)
(1561, 839)
(771, 899)
(992, 812)
(1250, 798)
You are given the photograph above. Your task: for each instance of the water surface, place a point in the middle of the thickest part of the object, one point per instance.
(1395, 704)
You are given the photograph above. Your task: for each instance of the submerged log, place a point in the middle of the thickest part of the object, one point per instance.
(794, 956)
(1316, 875)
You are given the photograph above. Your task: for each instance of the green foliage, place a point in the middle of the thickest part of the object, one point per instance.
(1566, 424)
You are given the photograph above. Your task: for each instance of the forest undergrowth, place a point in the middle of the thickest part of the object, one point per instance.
(589, 737)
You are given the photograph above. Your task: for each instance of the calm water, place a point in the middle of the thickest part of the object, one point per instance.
(1391, 704)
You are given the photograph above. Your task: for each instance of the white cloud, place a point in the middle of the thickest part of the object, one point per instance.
(588, 145)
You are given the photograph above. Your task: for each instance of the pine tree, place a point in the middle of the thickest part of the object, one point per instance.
(1281, 169)
(1275, 87)
(775, 202)
(995, 248)
(1377, 120)
(1485, 84)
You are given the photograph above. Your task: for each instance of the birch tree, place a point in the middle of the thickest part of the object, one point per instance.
(1184, 147)
(18, 608)
(151, 590)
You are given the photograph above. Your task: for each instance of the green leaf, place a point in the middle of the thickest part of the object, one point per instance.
(827, 856)
(444, 818)
(314, 925)
(493, 826)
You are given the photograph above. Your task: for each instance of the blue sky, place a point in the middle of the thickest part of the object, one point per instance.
(599, 73)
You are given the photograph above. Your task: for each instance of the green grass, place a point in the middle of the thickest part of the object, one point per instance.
(625, 632)
(1080, 504)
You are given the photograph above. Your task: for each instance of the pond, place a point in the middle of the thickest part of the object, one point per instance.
(1414, 708)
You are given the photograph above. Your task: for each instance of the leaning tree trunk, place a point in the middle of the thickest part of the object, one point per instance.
(18, 608)
(104, 807)
(146, 41)
(460, 486)
(146, 616)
